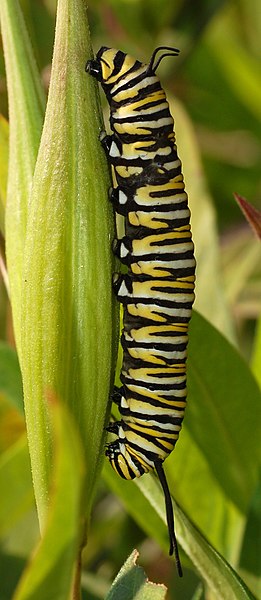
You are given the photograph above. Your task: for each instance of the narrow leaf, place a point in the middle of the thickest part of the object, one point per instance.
(241, 262)
(50, 573)
(16, 482)
(189, 475)
(240, 68)
(250, 559)
(252, 214)
(256, 360)
(4, 153)
(10, 376)
(12, 422)
(221, 579)
(26, 106)
(136, 506)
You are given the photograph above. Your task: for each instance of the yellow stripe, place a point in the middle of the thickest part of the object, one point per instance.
(150, 330)
(145, 312)
(158, 96)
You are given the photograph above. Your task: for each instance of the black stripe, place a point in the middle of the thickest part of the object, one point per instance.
(161, 419)
(129, 362)
(142, 93)
(166, 334)
(134, 206)
(162, 193)
(164, 258)
(169, 240)
(159, 140)
(150, 104)
(153, 387)
(119, 63)
(159, 346)
(154, 440)
(158, 404)
(119, 60)
(162, 373)
(140, 118)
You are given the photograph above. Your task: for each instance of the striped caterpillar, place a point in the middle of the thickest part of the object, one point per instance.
(157, 293)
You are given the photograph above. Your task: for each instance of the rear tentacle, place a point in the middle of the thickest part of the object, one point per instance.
(170, 515)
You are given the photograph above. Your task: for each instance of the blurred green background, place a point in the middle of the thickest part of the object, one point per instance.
(217, 79)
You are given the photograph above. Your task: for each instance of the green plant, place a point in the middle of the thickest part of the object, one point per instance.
(58, 232)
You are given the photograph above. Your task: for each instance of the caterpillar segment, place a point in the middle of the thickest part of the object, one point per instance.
(157, 292)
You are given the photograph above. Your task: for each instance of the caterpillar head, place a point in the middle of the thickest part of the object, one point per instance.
(108, 64)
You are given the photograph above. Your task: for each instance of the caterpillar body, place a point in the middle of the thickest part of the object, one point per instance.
(157, 293)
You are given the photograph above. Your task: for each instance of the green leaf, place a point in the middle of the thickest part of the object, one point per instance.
(256, 359)
(250, 558)
(240, 68)
(136, 505)
(131, 583)
(10, 377)
(210, 297)
(16, 482)
(26, 106)
(12, 422)
(68, 303)
(215, 515)
(148, 504)
(219, 576)
(199, 593)
(241, 259)
(189, 475)
(224, 411)
(50, 574)
(4, 146)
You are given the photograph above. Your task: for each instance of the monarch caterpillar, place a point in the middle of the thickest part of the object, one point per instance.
(158, 291)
